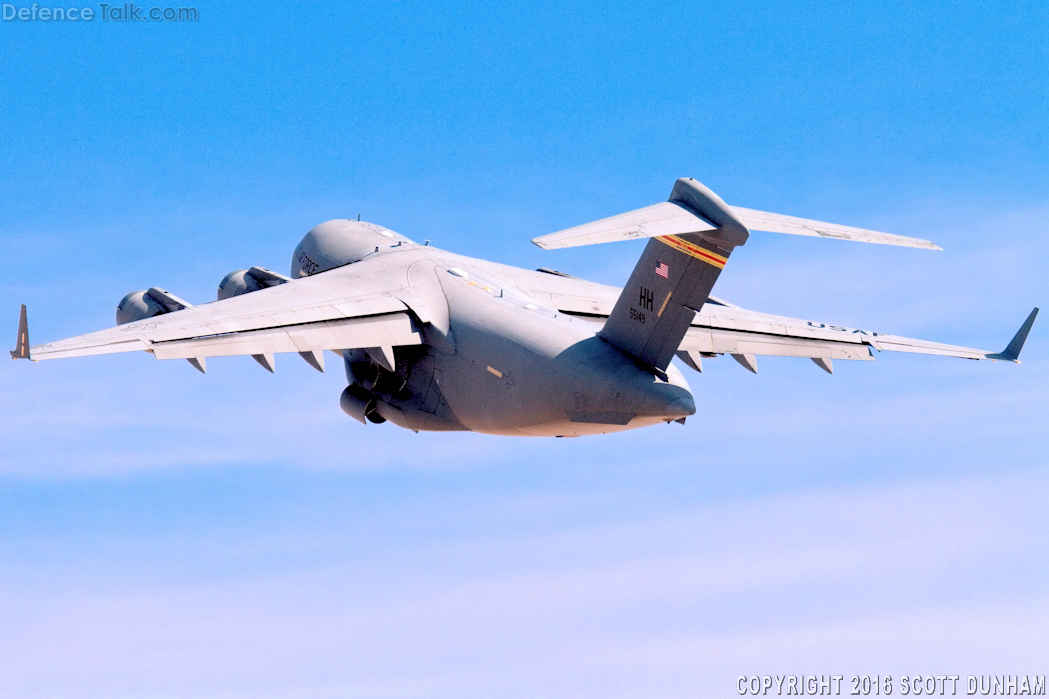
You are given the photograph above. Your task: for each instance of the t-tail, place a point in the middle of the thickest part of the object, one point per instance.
(691, 238)
(673, 278)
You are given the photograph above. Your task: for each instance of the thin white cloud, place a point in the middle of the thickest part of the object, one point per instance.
(926, 577)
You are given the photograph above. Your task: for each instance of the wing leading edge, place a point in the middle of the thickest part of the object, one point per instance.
(305, 316)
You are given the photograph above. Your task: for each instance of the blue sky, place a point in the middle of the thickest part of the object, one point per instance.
(164, 533)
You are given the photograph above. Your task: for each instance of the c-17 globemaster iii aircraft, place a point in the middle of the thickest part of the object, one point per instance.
(431, 340)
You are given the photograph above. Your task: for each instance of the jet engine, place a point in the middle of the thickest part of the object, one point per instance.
(340, 242)
(245, 281)
(363, 375)
(146, 304)
(360, 404)
(399, 387)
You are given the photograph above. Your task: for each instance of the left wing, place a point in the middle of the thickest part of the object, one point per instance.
(306, 315)
(720, 329)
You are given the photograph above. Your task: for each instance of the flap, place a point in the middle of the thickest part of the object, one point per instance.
(716, 341)
(377, 331)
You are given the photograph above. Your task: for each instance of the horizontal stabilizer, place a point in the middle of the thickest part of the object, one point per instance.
(792, 225)
(683, 215)
(666, 218)
(1012, 352)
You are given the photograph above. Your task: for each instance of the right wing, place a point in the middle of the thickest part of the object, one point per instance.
(305, 315)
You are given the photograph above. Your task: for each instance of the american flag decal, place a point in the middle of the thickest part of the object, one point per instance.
(662, 270)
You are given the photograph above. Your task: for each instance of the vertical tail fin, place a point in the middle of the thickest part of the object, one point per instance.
(673, 279)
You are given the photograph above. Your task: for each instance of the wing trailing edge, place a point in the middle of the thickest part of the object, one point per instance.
(390, 330)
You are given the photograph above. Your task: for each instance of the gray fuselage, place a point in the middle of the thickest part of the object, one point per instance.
(493, 360)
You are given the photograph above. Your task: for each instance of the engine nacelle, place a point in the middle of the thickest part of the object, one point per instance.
(408, 397)
(146, 304)
(360, 404)
(245, 281)
(340, 242)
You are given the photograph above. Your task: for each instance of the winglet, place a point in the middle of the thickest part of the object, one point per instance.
(21, 350)
(1012, 352)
